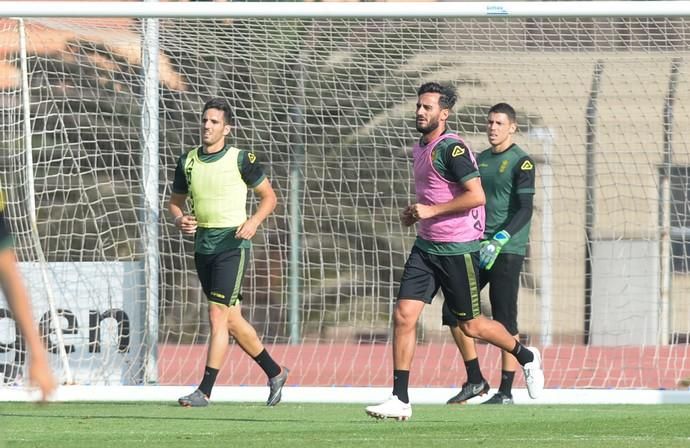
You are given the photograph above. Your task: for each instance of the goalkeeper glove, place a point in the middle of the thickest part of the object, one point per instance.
(489, 249)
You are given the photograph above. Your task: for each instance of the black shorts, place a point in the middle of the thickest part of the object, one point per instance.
(504, 283)
(456, 275)
(221, 275)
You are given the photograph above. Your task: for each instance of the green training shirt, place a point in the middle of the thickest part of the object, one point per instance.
(506, 175)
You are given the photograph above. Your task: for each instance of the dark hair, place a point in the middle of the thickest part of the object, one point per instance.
(504, 108)
(448, 95)
(220, 104)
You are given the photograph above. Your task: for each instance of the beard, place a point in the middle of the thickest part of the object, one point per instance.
(431, 126)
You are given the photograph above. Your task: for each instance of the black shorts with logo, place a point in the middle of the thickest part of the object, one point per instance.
(504, 284)
(456, 275)
(221, 275)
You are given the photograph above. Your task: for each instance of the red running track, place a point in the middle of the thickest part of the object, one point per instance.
(435, 365)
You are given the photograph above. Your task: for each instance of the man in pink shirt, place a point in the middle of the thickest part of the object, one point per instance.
(450, 210)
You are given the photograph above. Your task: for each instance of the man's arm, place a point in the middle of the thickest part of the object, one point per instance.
(473, 196)
(523, 186)
(178, 199)
(176, 205)
(523, 215)
(19, 302)
(267, 203)
(492, 247)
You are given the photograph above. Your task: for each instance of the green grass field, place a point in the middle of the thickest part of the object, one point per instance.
(129, 425)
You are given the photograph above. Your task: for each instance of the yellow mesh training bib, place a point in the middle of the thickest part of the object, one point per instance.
(217, 191)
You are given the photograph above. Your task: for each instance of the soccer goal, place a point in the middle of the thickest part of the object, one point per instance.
(100, 98)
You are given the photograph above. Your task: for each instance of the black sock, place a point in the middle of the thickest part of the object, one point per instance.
(208, 381)
(506, 386)
(401, 379)
(522, 354)
(474, 373)
(267, 364)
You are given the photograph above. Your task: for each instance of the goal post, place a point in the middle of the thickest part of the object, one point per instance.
(107, 95)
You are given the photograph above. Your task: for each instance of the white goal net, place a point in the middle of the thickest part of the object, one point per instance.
(327, 104)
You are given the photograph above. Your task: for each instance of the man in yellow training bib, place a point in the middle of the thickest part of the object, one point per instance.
(216, 178)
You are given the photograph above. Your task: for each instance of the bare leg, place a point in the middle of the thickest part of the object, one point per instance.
(218, 342)
(490, 331)
(508, 361)
(464, 343)
(405, 318)
(243, 332)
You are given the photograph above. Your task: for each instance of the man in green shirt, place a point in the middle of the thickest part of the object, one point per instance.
(216, 178)
(507, 174)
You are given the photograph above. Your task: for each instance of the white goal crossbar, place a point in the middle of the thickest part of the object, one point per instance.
(345, 10)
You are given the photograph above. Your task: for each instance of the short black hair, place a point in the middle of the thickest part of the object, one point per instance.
(504, 108)
(220, 104)
(448, 95)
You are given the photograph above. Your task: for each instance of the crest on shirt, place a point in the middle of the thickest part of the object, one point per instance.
(526, 165)
(458, 150)
(502, 168)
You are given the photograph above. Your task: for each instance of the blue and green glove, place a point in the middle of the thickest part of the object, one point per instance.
(489, 249)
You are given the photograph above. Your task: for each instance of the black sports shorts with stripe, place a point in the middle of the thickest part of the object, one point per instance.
(504, 284)
(221, 275)
(456, 275)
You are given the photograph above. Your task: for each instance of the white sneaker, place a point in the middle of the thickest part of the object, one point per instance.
(534, 374)
(391, 408)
